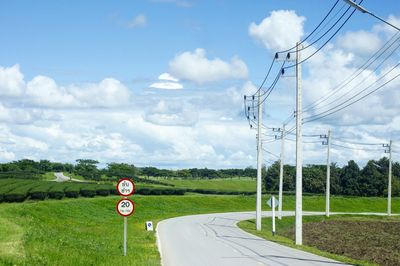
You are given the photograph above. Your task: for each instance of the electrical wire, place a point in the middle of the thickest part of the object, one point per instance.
(352, 148)
(323, 45)
(332, 110)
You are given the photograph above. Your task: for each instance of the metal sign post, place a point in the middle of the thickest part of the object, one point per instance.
(273, 215)
(273, 203)
(125, 206)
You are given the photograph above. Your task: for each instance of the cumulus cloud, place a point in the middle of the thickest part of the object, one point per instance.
(172, 113)
(44, 91)
(280, 31)
(11, 81)
(108, 93)
(138, 21)
(196, 67)
(360, 42)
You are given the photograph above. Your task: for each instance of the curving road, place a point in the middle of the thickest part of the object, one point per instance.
(60, 177)
(214, 239)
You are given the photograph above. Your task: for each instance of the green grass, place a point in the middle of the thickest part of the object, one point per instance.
(88, 231)
(215, 184)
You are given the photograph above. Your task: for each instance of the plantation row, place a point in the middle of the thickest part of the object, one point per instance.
(18, 190)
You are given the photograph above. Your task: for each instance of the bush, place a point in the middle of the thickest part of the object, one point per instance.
(56, 194)
(15, 197)
(39, 195)
(72, 191)
(88, 191)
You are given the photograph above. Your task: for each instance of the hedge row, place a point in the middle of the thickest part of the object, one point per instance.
(13, 190)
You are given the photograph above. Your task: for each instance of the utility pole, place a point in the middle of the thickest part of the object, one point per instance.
(281, 172)
(389, 203)
(299, 161)
(328, 175)
(259, 163)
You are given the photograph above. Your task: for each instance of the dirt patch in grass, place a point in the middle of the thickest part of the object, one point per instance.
(374, 241)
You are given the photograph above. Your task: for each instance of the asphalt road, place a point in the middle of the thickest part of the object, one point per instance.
(214, 239)
(60, 177)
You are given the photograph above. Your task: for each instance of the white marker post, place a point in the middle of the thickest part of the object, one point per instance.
(273, 215)
(273, 203)
(125, 206)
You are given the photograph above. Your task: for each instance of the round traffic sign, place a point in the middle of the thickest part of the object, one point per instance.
(125, 187)
(125, 207)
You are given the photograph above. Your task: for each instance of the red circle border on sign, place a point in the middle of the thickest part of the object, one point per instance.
(125, 215)
(123, 179)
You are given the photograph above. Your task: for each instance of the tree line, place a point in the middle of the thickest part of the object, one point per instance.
(371, 180)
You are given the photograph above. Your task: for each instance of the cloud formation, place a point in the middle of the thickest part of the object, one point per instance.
(279, 31)
(195, 66)
(167, 82)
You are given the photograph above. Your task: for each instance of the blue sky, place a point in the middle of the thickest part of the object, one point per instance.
(82, 79)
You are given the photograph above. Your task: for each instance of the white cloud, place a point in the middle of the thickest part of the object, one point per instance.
(360, 42)
(194, 66)
(139, 21)
(108, 93)
(11, 81)
(168, 77)
(166, 86)
(43, 91)
(382, 27)
(280, 31)
(168, 82)
(172, 113)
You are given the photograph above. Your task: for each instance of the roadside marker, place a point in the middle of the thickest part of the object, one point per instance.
(272, 202)
(149, 226)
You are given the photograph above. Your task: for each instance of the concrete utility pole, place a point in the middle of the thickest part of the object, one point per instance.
(299, 161)
(259, 163)
(281, 172)
(328, 175)
(389, 208)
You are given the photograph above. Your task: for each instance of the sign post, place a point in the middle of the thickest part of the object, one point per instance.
(125, 206)
(272, 202)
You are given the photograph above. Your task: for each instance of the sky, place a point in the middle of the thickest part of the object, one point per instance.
(161, 82)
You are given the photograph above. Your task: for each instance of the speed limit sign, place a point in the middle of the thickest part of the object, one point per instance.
(125, 187)
(125, 207)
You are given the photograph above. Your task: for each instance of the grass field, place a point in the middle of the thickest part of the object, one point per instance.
(90, 231)
(246, 184)
(358, 240)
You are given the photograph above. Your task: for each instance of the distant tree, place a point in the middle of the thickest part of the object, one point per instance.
(349, 178)
(88, 169)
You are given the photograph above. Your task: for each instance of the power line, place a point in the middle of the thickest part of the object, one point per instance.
(358, 143)
(352, 148)
(332, 110)
(354, 76)
(330, 38)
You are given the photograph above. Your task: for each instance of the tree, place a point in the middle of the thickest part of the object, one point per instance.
(349, 178)
(88, 169)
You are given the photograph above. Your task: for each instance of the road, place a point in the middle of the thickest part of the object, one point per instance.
(60, 177)
(214, 239)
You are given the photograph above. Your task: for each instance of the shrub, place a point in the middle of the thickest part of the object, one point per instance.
(88, 191)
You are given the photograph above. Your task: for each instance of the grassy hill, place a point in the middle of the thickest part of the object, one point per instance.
(90, 231)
